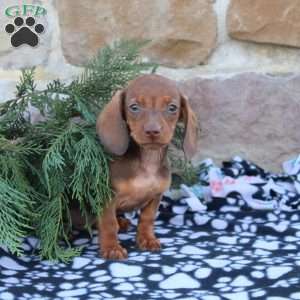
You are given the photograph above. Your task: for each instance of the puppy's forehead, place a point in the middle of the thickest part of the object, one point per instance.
(152, 86)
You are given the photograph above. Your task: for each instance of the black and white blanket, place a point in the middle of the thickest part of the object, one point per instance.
(235, 235)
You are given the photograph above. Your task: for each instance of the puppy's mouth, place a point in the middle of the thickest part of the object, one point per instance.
(153, 145)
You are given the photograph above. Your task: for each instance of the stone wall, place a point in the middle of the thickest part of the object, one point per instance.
(238, 61)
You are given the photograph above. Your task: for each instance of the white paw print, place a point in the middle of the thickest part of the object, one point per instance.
(245, 227)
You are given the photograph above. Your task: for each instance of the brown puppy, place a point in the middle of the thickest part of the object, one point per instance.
(137, 125)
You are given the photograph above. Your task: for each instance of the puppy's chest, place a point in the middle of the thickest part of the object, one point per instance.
(147, 183)
(136, 191)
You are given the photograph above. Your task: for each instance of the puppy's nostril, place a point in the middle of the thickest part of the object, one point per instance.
(152, 132)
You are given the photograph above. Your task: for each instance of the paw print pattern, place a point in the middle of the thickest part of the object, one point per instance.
(24, 32)
(223, 256)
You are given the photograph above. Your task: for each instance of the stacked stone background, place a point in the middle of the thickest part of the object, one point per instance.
(238, 61)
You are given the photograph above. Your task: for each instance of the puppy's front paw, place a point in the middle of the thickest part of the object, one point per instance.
(148, 243)
(114, 252)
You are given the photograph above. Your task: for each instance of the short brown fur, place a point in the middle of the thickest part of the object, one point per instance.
(137, 126)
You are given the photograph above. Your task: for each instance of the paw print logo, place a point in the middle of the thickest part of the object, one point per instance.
(24, 32)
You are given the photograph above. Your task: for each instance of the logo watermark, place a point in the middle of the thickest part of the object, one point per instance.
(25, 30)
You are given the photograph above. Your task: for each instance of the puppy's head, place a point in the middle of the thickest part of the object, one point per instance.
(148, 111)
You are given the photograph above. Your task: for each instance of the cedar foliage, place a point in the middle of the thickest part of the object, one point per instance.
(46, 166)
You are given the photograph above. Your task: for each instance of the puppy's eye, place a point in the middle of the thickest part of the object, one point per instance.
(172, 108)
(134, 108)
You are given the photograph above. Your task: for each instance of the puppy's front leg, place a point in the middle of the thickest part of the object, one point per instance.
(108, 234)
(146, 239)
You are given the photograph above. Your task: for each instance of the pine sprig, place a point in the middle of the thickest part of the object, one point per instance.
(26, 83)
(51, 229)
(14, 216)
(50, 157)
(87, 182)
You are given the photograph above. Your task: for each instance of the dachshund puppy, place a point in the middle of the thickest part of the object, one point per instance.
(137, 126)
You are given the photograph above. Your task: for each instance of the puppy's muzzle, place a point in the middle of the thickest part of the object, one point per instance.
(152, 130)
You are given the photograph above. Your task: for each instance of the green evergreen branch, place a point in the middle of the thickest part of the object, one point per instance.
(51, 230)
(49, 165)
(14, 217)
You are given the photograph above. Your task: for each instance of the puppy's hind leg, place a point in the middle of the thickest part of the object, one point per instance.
(124, 224)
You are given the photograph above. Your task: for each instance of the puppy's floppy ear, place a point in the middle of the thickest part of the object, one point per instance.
(111, 127)
(191, 130)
